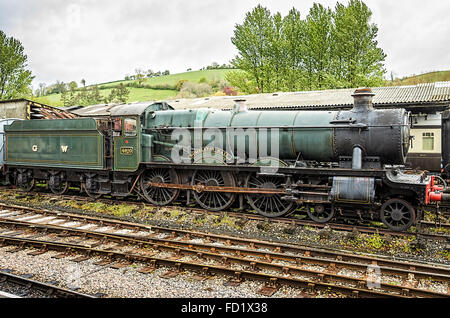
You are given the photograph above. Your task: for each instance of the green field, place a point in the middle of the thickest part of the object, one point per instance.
(146, 94)
(193, 76)
(136, 94)
(441, 76)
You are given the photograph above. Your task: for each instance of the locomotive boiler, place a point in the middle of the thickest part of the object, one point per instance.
(381, 136)
(325, 163)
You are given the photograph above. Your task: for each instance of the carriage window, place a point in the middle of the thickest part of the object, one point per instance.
(130, 127)
(428, 141)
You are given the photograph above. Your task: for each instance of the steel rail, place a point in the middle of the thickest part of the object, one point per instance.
(324, 252)
(323, 281)
(49, 289)
(285, 220)
(386, 266)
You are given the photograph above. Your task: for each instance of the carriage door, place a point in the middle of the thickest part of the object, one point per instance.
(126, 144)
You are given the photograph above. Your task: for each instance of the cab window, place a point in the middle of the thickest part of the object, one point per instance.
(130, 127)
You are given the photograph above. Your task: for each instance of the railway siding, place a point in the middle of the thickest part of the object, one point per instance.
(182, 250)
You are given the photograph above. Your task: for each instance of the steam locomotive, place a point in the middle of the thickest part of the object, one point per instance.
(329, 163)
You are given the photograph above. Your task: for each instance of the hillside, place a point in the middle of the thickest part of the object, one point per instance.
(431, 77)
(145, 94)
(172, 79)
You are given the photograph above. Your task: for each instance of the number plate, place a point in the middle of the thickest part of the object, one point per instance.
(128, 151)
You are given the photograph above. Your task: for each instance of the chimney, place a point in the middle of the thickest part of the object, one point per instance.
(363, 100)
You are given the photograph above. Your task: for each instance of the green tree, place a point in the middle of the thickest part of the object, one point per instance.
(73, 85)
(358, 59)
(276, 55)
(41, 90)
(242, 80)
(317, 53)
(71, 97)
(15, 79)
(294, 39)
(94, 96)
(328, 49)
(251, 39)
(140, 76)
(118, 94)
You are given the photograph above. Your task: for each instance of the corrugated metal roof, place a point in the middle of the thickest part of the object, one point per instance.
(431, 93)
(101, 110)
(112, 109)
(38, 110)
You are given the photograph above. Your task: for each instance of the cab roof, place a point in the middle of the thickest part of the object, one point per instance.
(131, 109)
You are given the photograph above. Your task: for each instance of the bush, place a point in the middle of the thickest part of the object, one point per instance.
(242, 81)
(230, 91)
(195, 90)
(180, 84)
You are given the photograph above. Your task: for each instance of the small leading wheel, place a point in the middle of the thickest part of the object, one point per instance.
(214, 201)
(320, 213)
(159, 195)
(270, 205)
(397, 214)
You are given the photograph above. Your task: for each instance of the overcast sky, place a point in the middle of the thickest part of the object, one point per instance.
(101, 40)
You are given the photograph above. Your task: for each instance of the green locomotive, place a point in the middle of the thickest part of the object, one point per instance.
(328, 162)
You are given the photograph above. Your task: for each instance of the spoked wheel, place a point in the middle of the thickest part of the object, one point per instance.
(159, 195)
(270, 205)
(28, 186)
(92, 194)
(91, 186)
(320, 213)
(397, 215)
(214, 201)
(63, 187)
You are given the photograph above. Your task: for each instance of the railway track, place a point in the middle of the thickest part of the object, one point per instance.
(291, 220)
(29, 286)
(274, 263)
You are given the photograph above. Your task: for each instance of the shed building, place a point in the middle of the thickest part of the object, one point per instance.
(27, 109)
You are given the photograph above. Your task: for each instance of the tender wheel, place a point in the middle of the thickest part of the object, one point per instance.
(270, 205)
(158, 195)
(397, 215)
(320, 213)
(214, 201)
(91, 186)
(28, 185)
(91, 193)
(63, 188)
